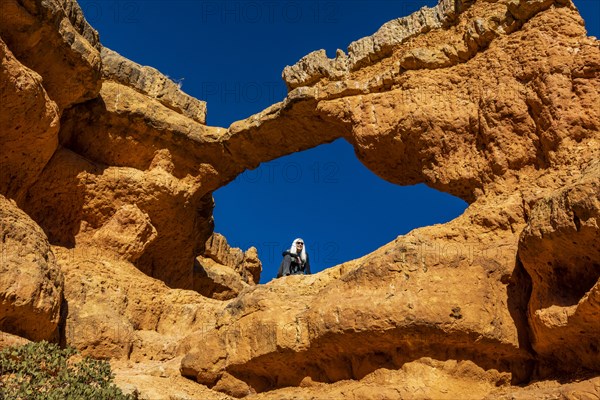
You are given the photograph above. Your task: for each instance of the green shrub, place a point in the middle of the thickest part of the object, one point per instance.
(43, 370)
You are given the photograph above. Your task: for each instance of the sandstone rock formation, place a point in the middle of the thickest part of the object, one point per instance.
(152, 83)
(245, 263)
(368, 50)
(53, 39)
(133, 317)
(215, 280)
(223, 272)
(404, 302)
(31, 284)
(28, 141)
(560, 249)
(494, 102)
(503, 139)
(9, 340)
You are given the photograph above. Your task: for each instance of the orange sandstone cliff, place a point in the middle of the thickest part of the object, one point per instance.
(106, 181)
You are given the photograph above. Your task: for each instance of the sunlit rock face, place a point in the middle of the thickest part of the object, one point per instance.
(493, 102)
(223, 272)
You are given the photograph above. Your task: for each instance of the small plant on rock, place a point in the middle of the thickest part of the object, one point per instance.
(45, 371)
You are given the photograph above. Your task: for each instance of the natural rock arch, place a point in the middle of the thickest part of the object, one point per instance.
(325, 195)
(495, 103)
(416, 122)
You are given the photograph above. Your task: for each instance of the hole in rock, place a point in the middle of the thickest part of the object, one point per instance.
(330, 199)
(249, 45)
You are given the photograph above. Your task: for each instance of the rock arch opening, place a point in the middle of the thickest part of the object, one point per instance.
(326, 196)
(510, 286)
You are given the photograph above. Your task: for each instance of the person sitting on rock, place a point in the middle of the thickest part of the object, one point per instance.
(295, 260)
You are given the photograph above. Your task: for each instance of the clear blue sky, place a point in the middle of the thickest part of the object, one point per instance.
(231, 54)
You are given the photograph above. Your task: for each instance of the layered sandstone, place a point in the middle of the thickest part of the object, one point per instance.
(493, 102)
(152, 83)
(404, 302)
(368, 50)
(222, 272)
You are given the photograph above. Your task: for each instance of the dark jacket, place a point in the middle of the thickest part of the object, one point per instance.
(292, 265)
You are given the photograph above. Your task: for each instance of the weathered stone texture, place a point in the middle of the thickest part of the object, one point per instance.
(494, 102)
(29, 123)
(117, 312)
(151, 82)
(52, 38)
(370, 49)
(560, 249)
(246, 263)
(31, 283)
(222, 272)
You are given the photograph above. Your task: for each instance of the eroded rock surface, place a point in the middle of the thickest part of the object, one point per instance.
(401, 303)
(560, 249)
(9, 340)
(245, 263)
(494, 102)
(222, 272)
(31, 283)
(160, 380)
(53, 38)
(29, 123)
(368, 50)
(151, 82)
(502, 139)
(115, 311)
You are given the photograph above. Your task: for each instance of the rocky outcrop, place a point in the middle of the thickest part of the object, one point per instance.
(501, 139)
(368, 50)
(493, 102)
(51, 62)
(31, 283)
(215, 280)
(81, 183)
(151, 82)
(430, 379)
(300, 330)
(159, 380)
(560, 250)
(245, 263)
(219, 251)
(8, 340)
(83, 187)
(29, 123)
(223, 272)
(53, 38)
(114, 311)
(470, 35)
(127, 233)
(463, 113)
